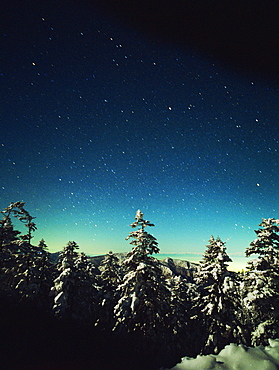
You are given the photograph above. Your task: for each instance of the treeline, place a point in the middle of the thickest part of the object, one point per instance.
(131, 312)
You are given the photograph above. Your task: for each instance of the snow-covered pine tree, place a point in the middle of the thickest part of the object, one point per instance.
(25, 217)
(17, 210)
(267, 242)
(144, 303)
(182, 296)
(8, 237)
(64, 284)
(26, 269)
(33, 274)
(216, 306)
(45, 275)
(110, 278)
(9, 243)
(7, 232)
(85, 304)
(261, 283)
(74, 288)
(110, 270)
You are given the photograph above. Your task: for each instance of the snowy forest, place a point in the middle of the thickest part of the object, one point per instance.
(64, 312)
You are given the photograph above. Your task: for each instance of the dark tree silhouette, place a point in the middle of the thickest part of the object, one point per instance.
(261, 284)
(217, 303)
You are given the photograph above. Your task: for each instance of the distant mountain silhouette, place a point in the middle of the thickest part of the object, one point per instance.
(171, 267)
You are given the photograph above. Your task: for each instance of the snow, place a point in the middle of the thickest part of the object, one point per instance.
(134, 301)
(236, 357)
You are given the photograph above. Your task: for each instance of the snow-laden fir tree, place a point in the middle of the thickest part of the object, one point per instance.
(33, 274)
(64, 282)
(217, 306)
(261, 283)
(182, 296)
(26, 269)
(7, 232)
(109, 280)
(8, 247)
(9, 237)
(17, 210)
(267, 242)
(25, 217)
(74, 288)
(144, 303)
(86, 301)
(110, 270)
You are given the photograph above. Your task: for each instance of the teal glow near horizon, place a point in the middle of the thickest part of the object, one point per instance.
(103, 120)
(177, 237)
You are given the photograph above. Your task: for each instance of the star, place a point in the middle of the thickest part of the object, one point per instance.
(104, 120)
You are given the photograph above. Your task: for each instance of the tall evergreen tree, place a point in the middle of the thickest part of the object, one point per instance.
(8, 249)
(24, 268)
(110, 269)
(17, 210)
(110, 278)
(7, 232)
(27, 219)
(9, 246)
(261, 283)
(74, 288)
(267, 242)
(86, 304)
(64, 284)
(217, 303)
(33, 274)
(144, 303)
(182, 296)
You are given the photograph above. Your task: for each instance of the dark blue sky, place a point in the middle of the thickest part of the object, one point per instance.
(101, 119)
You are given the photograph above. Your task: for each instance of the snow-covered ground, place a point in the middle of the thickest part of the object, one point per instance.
(236, 357)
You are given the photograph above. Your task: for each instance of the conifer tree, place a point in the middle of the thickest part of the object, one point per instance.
(86, 305)
(23, 271)
(45, 274)
(261, 283)
(144, 303)
(27, 219)
(8, 248)
(42, 245)
(33, 274)
(267, 242)
(6, 230)
(64, 284)
(74, 288)
(110, 278)
(182, 295)
(110, 270)
(216, 305)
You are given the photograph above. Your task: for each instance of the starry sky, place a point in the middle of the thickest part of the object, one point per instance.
(100, 118)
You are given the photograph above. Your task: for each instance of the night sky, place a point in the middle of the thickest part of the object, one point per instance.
(100, 118)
